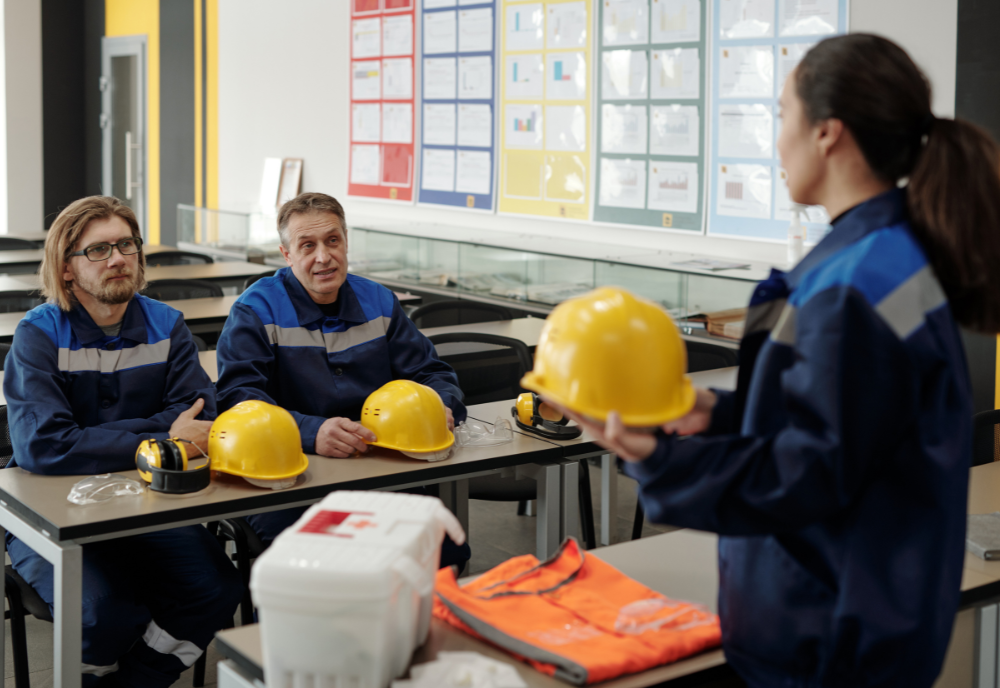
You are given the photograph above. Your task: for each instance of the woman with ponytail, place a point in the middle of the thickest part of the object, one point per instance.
(837, 472)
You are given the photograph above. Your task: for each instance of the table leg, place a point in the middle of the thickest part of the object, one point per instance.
(3, 596)
(68, 637)
(548, 519)
(455, 495)
(609, 499)
(570, 501)
(986, 646)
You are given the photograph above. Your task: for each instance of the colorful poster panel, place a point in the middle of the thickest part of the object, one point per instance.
(651, 95)
(381, 158)
(757, 44)
(545, 108)
(458, 104)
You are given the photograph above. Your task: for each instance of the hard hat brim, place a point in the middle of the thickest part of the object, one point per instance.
(441, 447)
(656, 417)
(256, 475)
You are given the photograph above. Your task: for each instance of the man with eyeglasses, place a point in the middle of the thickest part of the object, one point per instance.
(90, 375)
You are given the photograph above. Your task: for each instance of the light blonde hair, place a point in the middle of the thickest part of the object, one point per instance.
(66, 232)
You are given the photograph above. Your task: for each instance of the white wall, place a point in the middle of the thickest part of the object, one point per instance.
(21, 195)
(283, 92)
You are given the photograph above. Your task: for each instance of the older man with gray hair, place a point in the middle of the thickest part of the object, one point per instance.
(317, 341)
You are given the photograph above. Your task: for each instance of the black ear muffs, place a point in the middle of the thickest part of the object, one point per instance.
(164, 465)
(526, 415)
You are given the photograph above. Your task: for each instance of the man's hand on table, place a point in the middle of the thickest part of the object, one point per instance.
(341, 437)
(187, 427)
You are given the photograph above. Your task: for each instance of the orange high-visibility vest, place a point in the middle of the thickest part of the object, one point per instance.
(575, 617)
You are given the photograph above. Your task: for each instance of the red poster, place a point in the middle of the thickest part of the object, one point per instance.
(365, 6)
(382, 70)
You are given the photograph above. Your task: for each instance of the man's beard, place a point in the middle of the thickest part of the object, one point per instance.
(110, 293)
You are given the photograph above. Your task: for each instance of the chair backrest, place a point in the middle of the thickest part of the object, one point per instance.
(6, 447)
(706, 356)
(985, 437)
(14, 244)
(4, 350)
(251, 280)
(174, 289)
(458, 312)
(161, 258)
(486, 373)
(200, 343)
(18, 301)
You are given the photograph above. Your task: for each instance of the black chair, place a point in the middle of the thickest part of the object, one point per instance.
(162, 258)
(985, 437)
(251, 280)
(247, 547)
(14, 244)
(200, 343)
(22, 599)
(493, 373)
(458, 312)
(19, 300)
(706, 356)
(4, 350)
(176, 289)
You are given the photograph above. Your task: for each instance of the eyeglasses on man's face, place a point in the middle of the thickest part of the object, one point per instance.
(99, 252)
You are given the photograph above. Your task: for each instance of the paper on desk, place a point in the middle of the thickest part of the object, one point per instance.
(462, 670)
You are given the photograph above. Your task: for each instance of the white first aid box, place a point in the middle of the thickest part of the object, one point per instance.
(344, 595)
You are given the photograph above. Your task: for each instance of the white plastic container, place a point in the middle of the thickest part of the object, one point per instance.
(345, 593)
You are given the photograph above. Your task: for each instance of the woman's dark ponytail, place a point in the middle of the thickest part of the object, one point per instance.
(954, 200)
(874, 88)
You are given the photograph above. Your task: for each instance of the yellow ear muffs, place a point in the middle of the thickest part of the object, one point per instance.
(527, 414)
(164, 465)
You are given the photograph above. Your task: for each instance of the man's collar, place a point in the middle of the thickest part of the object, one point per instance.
(307, 311)
(87, 331)
(880, 211)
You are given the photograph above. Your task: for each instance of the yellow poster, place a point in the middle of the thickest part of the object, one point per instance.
(545, 111)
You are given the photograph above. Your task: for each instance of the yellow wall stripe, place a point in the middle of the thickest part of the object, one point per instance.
(131, 18)
(212, 104)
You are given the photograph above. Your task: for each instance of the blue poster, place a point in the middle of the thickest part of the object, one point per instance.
(458, 104)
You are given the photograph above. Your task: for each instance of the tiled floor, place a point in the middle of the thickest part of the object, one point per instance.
(496, 533)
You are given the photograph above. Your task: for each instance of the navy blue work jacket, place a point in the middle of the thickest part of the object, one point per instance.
(277, 346)
(837, 472)
(80, 402)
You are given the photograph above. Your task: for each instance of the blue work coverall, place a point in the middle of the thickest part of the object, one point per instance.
(79, 403)
(279, 347)
(837, 472)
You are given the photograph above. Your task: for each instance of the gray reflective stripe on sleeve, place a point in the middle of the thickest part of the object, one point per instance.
(763, 316)
(331, 341)
(99, 670)
(164, 643)
(784, 329)
(99, 360)
(565, 669)
(905, 307)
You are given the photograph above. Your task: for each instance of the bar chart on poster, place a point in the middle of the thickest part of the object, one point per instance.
(382, 161)
(756, 46)
(458, 103)
(650, 107)
(545, 102)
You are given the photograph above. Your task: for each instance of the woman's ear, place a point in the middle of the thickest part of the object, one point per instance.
(828, 132)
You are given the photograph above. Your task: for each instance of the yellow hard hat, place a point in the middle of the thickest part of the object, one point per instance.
(257, 441)
(609, 350)
(407, 416)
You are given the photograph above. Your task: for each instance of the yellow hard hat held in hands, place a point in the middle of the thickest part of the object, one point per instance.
(408, 417)
(259, 442)
(610, 350)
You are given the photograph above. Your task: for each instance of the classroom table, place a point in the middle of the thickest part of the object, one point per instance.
(16, 262)
(681, 565)
(584, 447)
(231, 275)
(35, 509)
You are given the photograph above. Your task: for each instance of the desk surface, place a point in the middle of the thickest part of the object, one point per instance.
(35, 255)
(528, 330)
(41, 500)
(681, 564)
(210, 271)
